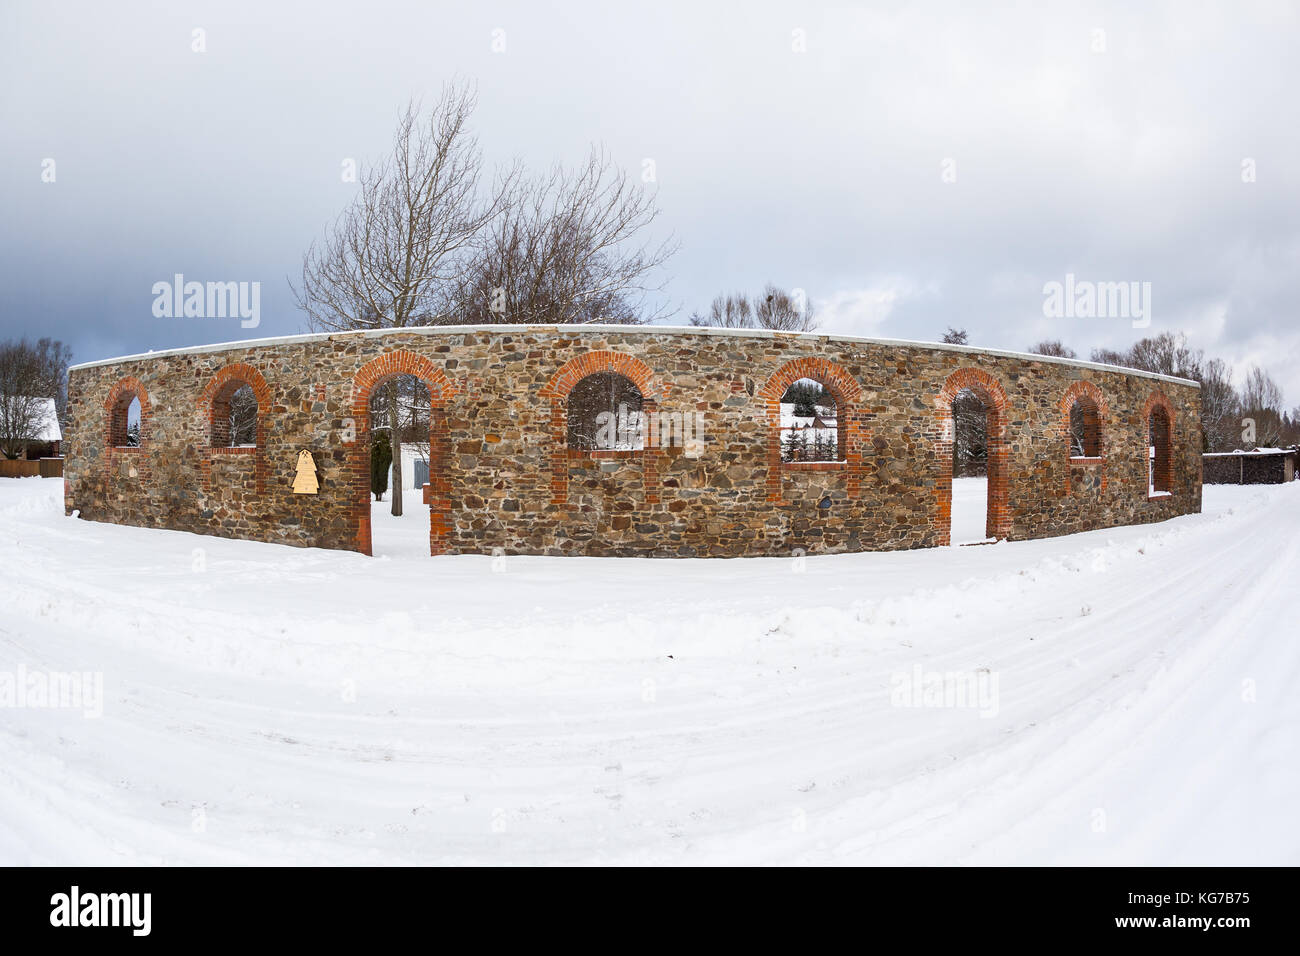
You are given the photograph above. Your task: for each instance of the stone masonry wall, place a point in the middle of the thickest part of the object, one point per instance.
(502, 476)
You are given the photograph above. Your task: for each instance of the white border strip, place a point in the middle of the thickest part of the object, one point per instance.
(629, 330)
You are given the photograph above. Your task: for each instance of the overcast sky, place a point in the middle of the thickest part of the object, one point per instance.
(911, 166)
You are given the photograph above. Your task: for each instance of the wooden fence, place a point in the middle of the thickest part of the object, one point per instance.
(19, 468)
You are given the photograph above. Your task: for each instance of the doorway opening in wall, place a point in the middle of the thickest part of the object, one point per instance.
(399, 467)
(970, 469)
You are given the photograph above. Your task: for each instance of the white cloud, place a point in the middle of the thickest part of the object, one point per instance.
(862, 311)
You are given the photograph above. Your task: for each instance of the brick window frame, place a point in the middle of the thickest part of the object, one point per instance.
(1095, 420)
(557, 390)
(994, 397)
(1162, 468)
(214, 407)
(438, 492)
(849, 435)
(116, 408)
(605, 453)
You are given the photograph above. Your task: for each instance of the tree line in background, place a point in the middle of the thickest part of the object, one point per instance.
(773, 308)
(1252, 414)
(807, 395)
(1245, 416)
(1248, 415)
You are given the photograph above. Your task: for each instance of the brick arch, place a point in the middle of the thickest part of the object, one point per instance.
(835, 377)
(119, 397)
(441, 390)
(994, 397)
(1157, 399)
(557, 389)
(589, 363)
(1088, 390)
(848, 411)
(228, 380)
(116, 406)
(214, 405)
(1162, 469)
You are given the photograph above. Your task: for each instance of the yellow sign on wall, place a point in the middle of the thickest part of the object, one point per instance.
(304, 482)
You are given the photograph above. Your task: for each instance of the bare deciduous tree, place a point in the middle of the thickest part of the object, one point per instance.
(970, 445)
(427, 241)
(774, 308)
(783, 311)
(600, 408)
(1261, 400)
(1053, 347)
(20, 402)
(1164, 354)
(243, 416)
(394, 255)
(29, 375)
(566, 247)
(1220, 407)
(729, 311)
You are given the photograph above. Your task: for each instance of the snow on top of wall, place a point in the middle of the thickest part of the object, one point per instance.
(603, 329)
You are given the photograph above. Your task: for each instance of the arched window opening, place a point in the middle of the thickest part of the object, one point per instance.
(1085, 428)
(1159, 453)
(604, 414)
(126, 428)
(810, 423)
(234, 416)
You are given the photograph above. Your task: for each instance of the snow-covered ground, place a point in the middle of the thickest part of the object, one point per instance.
(970, 497)
(405, 537)
(1135, 695)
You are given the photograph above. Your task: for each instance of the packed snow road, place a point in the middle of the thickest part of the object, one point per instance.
(1125, 696)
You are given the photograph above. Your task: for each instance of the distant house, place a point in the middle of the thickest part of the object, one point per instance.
(1263, 466)
(812, 437)
(46, 437)
(415, 465)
